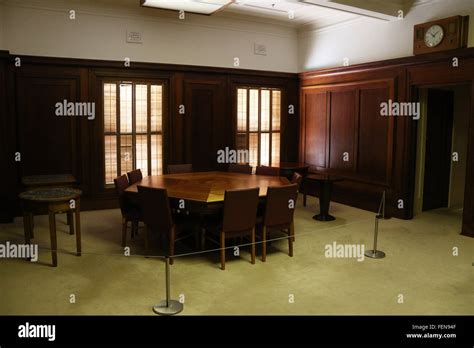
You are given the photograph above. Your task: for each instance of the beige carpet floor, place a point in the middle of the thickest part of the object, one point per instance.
(420, 266)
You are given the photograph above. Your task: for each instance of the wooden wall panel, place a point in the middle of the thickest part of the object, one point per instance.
(468, 213)
(387, 147)
(343, 125)
(53, 145)
(204, 123)
(47, 142)
(316, 123)
(375, 136)
(7, 149)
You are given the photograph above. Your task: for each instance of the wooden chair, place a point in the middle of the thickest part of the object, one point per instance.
(264, 170)
(134, 176)
(240, 215)
(157, 216)
(297, 178)
(240, 168)
(279, 214)
(180, 168)
(130, 212)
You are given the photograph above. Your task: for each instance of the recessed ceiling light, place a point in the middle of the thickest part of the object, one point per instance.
(204, 7)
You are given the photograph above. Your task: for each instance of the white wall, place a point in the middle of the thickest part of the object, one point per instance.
(43, 28)
(366, 40)
(2, 21)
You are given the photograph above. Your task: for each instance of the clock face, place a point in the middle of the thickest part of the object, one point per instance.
(434, 35)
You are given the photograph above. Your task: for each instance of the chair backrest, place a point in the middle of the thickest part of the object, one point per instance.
(155, 207)
(296, 179)
(240, 168)
(280, 206)
(121, 183)
(134, 176)
(180, 168)
(240, 209)
(264, 170)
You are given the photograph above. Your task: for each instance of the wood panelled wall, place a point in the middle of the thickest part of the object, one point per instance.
(340, 115)
(51, 145)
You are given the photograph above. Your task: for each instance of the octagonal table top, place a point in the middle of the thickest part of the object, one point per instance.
(208, 187)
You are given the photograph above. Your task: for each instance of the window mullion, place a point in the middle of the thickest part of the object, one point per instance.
(270, 141)
(118, 131)
(148, 138)
(247, 130)
(134, 134)
(259, 119)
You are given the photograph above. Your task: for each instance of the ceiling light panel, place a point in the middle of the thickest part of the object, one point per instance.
(205, 7)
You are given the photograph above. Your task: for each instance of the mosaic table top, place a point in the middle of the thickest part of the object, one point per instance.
(51, 194)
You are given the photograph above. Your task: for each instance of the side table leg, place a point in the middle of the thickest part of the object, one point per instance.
(70, 222)
(31, 222)
(78, 228)
(54, 242)
(27, 227)
(324, 201)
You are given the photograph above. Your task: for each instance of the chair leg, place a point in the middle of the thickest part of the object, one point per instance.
(134, 228)
(264, 244)
(147, 231)
(171, 246)
(290, 239)
(304, 199)
(54, 243)
(253, 246)
(203, 238)
(197, 238)
(222, 250)
(293, 238)
(124, 232)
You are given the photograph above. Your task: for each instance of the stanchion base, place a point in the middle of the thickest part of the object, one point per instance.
(375, 254)
(174, 307)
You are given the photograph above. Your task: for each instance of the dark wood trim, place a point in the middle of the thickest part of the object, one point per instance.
(170, 68)
(463, 53)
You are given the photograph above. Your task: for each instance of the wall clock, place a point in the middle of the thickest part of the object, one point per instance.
(441, 35)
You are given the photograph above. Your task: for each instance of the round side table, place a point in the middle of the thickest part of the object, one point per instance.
(57, 200)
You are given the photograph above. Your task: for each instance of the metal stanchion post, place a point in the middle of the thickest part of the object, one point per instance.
(374, 253)
(168, 307)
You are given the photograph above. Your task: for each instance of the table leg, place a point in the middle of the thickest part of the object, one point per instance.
(27, 227)
(32, 225)
(54, 242)
(78, 228)
(324, 201)
(70, 222)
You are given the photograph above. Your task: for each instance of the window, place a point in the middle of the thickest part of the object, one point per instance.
(133, 128)
(259, 125)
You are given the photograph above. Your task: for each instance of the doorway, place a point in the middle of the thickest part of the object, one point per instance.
(442, 148)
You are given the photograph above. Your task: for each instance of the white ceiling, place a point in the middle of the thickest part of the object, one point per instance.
(304, 14)
(280, 10)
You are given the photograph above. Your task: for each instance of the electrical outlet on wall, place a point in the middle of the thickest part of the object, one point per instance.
(134, 36)
(260, 49)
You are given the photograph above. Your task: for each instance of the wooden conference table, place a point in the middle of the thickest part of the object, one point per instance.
(199, 190)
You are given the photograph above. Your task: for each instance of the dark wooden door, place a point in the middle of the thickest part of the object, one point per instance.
(204, 123)
(438, 149)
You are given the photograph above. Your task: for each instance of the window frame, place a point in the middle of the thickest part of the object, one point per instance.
(259, 131)
(117, 81)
